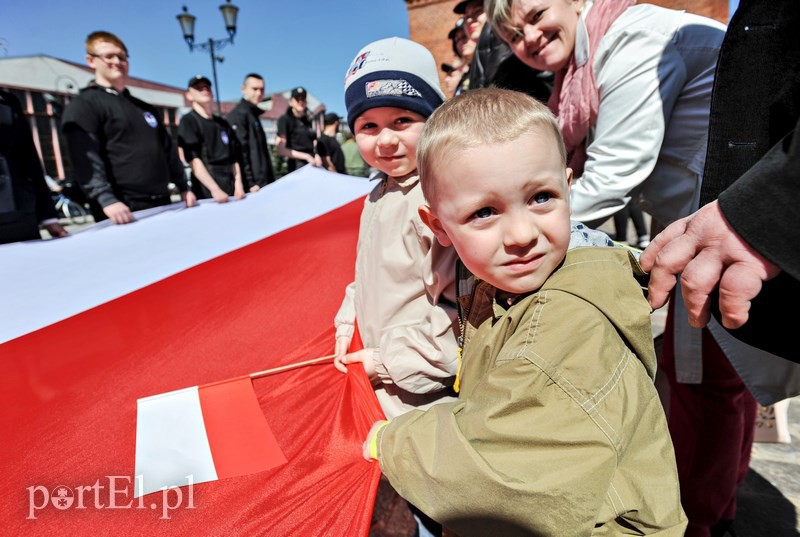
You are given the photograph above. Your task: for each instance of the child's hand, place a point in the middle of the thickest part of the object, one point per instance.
(365, 357)
(365, 448)
(342, 344)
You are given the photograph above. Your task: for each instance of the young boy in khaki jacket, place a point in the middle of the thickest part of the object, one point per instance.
(558, 429)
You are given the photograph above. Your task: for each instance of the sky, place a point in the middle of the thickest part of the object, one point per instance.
(289, 42)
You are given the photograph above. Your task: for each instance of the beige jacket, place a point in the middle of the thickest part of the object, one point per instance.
(558, 430)
(403, 297)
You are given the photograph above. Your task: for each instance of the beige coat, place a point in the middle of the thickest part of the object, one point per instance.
(558, 429)
(403, 297)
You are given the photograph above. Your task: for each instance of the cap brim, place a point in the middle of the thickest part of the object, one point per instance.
(197, 81)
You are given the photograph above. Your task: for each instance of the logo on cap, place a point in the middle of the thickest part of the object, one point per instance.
(399, 87)
(357, 64)
(224, 137)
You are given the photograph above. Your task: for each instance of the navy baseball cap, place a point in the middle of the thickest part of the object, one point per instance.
(197, 79)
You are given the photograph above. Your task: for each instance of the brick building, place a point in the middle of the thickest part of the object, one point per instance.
(430, 20)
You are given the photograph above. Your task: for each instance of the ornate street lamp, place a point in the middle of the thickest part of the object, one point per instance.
(186, 19)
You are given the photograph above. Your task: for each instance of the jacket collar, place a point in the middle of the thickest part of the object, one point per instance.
(253, 109)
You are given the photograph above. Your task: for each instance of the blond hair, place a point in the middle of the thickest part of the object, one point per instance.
(498, 15)
(96, 37)
(480, 117)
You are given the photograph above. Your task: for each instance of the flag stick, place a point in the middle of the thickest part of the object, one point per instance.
(266, 372)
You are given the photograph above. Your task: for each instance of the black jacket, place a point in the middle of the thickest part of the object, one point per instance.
(256, 161)
(120, 149)
(25, 196)
(753, 162)
(493, 64)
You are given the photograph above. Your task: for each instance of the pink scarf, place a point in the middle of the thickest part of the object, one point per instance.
(575, 98)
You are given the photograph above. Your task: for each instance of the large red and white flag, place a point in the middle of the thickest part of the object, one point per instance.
(92, 323)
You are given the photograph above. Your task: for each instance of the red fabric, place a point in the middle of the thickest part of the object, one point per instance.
(241, 441)
(68, 395)
(712, 425)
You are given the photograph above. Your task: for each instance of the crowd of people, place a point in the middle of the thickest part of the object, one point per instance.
(507, 339)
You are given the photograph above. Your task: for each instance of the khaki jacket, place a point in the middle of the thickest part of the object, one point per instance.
(558, 429)
(403, 297)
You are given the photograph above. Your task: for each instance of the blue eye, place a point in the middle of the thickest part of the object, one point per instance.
(486, 212)
(542, 197)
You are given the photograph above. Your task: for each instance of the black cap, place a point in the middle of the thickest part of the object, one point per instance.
(196, 79)
(447, 68)
(461, 7)
(331, 118)
(300, 92)
(459, 26)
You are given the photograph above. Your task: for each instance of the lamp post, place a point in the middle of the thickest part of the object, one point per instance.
(186, 19)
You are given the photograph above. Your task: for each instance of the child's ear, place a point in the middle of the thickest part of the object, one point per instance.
(435, 225)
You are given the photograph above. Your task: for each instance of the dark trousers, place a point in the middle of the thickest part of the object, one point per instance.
(223, 176)
(18, 226)
(630, 211)
(712, 427)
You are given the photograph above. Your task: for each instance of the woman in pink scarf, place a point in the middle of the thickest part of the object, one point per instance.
(633, 84)
(632, 96)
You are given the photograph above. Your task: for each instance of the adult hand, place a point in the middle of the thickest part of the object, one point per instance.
(238, 192)
(56, 230)
(708, 253)
(189, 198)
(119, 213)
(315, 161)
(219, 195)
(254, 189)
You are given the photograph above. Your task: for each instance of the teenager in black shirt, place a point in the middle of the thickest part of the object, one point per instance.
(124, 158)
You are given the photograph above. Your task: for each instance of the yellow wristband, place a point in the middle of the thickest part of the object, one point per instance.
(373, 442)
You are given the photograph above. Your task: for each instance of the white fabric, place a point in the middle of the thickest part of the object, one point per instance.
(654, 70)
(171, 442)
(42, 282)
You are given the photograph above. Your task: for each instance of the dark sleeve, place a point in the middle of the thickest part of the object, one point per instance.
(90, 170)
(283, 127)
(236, 148)
(190, 138)
(80, 113)
(176, 173)
(26, 151)
(762, 204)
(83, 129)
(238, 122)
(270, 169)
(322, 148)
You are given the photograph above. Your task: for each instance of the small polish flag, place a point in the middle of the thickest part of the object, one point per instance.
(202, 434)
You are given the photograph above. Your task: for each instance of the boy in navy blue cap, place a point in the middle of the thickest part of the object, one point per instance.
(403, 296)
